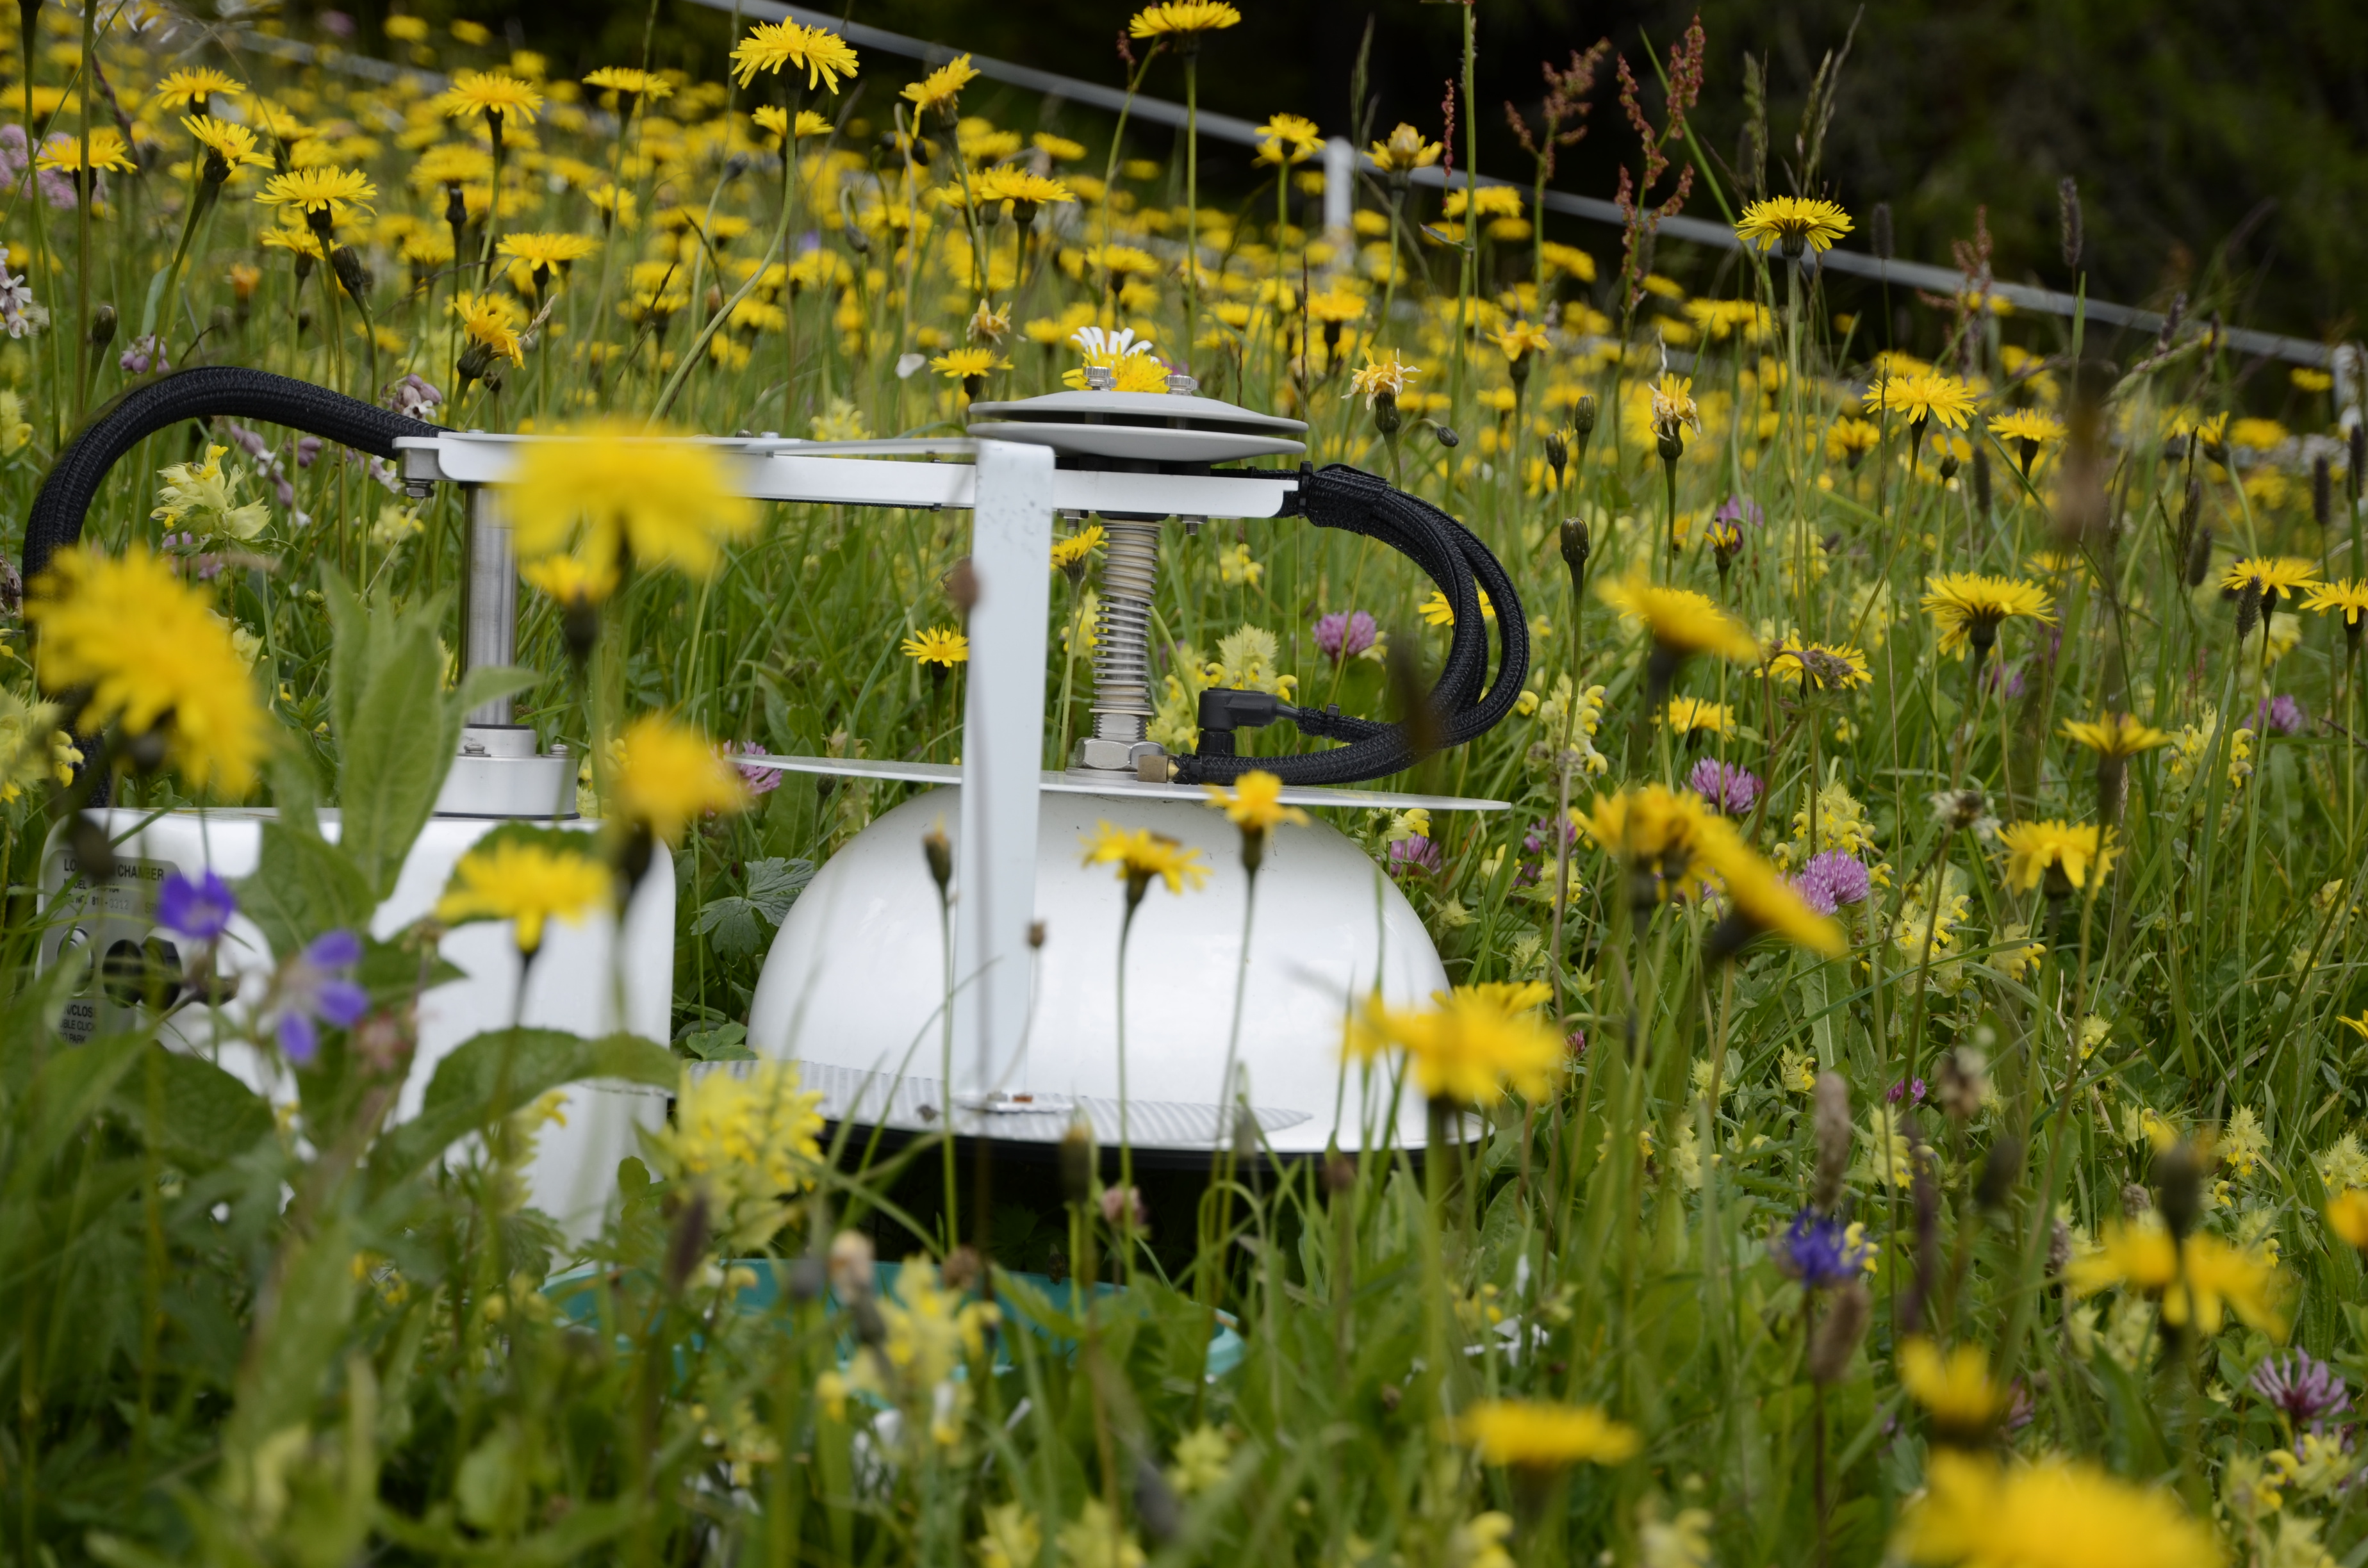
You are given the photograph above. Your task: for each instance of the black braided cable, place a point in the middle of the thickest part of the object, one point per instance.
(205, 393)
(1465, 704)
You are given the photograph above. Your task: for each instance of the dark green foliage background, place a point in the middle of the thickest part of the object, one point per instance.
(2196, 128)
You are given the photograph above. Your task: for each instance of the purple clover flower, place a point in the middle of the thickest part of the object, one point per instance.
(143, 355)
(199, 910)
(308, 450)
(1728, 787)
(1816, 1250)
(1741, 510)
(2281, 713)
(757, 781)
(2310, 1392)
(1345, 636)
(1912, 1092)
(314, 989)
(1416, 856)
(1831, 880)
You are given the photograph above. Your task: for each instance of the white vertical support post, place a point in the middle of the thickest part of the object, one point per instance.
(1339, 190)
(1002, 758)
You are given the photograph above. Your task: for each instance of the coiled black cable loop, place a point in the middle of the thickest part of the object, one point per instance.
(205, 393)
(1464, 703)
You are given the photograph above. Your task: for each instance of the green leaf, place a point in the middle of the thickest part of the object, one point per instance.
(398, 750)
(203, 1116)
(483, 685)
(300, 1333)
(726, 1042)
(302, 886)
(64, 1095)
(736, 921)
(494, 1073)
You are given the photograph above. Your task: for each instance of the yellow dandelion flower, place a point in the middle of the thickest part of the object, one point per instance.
(527, 882)
(2115, 735)
(1538, 1436)
(1792, 222)
(63, 153)
(569, 579)
(2028, 429)
(2347, 1212)
(668, 775)
(1183, 20)
(234, 144)
(1970, 606)
(1692, 716)
(617, 493)
(646, 86)
(939, 645)
(1143, 856)
(1848, 440)
(496, 95)
(1288, 139)
(1074, 549)
(2347, 597)
(1470, 1046)
(1024, 186)
(2271, 576)
(1822, 666)
(193, 88)
(1522, 338)
(1255, 802)
(2035, 849)
(485, 319)
(333, 191)
(1387, 376)
(2054, 1514)
(824, 55)
(154, 656)
(968, 364)
(938, 89)
(1405, 151)
(1924, 398)
(1955, 1388)
(1680, 620)
(548, 253)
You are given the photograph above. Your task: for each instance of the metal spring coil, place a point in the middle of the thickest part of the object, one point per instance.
(1122, 707)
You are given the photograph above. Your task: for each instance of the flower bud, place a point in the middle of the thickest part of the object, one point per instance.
(1447, 437)
(1386, 417)
(1837, 1337)
(939, 853)
(2000, 1169)
(2178, 1179)
(102, 326)
(1077, 1158)
(689, 1243)
(1832, 1125)
(2249, 609)
(1582, 417)
(353, 273)
(1558, 456)
(2198, 558)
